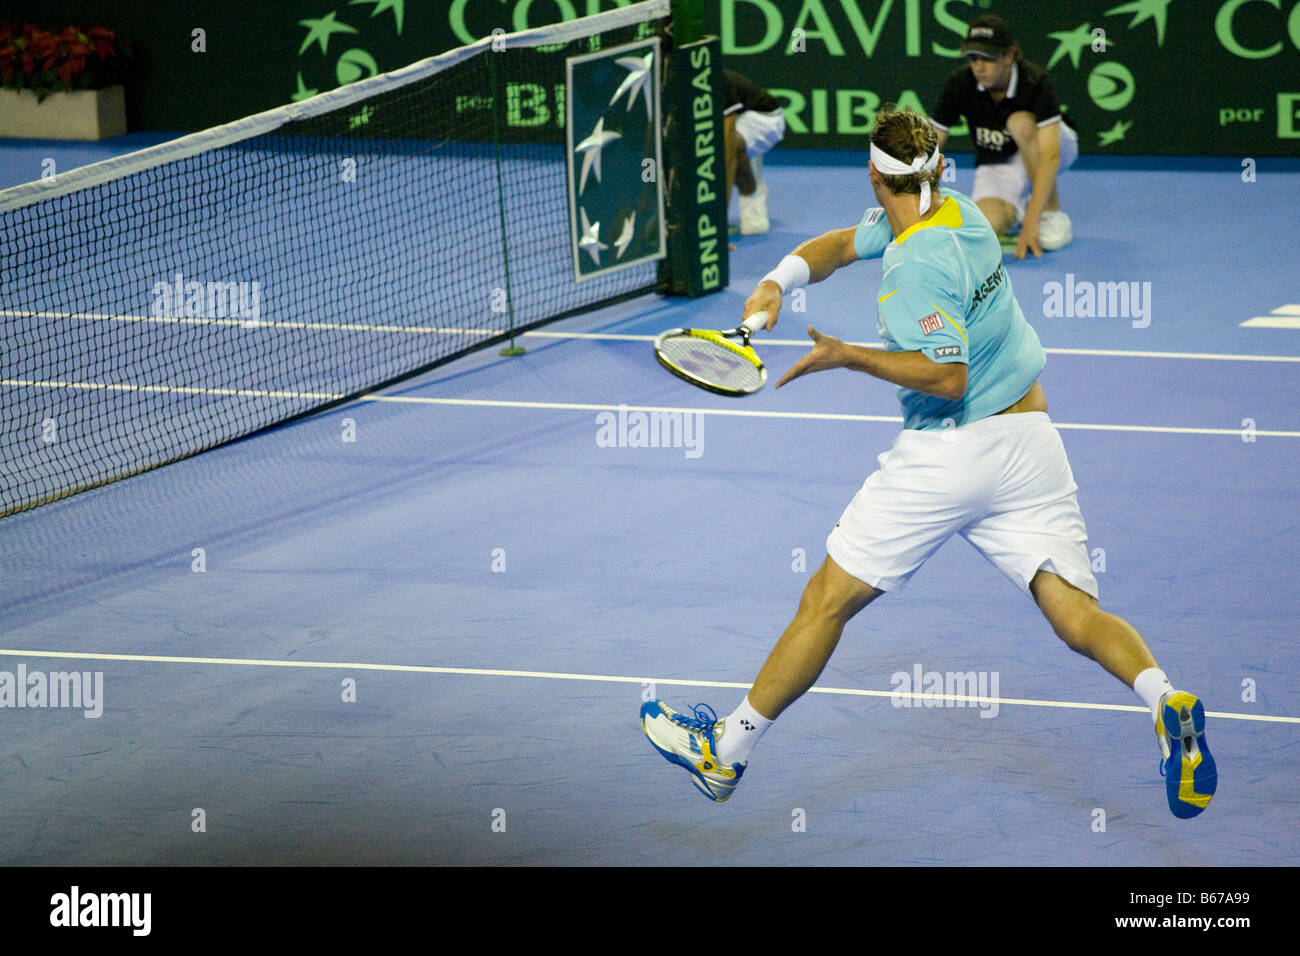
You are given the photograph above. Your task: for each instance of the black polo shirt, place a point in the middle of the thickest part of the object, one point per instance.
(741, 93)
(1030, 89)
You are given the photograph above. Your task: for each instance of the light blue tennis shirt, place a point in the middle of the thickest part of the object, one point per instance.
(945, 292)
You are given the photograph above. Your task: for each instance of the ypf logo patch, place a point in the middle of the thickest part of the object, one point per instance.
(932, 323)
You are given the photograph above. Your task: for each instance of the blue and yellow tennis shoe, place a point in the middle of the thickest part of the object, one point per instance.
(1190, 775)
(691, 742)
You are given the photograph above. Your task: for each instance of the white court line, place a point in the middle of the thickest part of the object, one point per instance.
(581, 406)
(1272, 322)
(762, 413)
(759, 341)
(1283, 317)
(601, 678)
(590, 336)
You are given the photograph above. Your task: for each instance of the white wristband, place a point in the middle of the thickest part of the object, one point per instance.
(792, 273)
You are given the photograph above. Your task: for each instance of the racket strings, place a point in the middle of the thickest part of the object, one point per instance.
(711, 362)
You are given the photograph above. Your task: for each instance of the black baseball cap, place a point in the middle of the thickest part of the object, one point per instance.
(987, 36)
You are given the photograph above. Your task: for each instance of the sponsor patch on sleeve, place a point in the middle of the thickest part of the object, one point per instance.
(872, 216)
(944, 351)
(932, 323)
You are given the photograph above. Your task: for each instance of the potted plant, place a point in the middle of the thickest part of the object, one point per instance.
(62, 84)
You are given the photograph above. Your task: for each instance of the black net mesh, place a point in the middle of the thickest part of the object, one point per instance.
(184, 306)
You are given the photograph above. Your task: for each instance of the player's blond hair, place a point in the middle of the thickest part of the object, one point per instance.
(905, 135)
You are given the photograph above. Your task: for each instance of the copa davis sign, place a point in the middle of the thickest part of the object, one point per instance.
(1121, 68)
(1210, 77)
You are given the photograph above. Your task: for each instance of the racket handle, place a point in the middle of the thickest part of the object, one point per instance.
(755, 322)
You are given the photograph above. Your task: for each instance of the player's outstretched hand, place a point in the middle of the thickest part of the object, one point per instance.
(765, 298)
(827, 352)
(1028, 241)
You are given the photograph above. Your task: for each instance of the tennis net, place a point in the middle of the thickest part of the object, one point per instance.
(171, 300)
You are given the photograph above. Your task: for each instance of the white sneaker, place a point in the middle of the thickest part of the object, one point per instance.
(1054, 230)
(753, 213)
(753, 208)
(691, 743)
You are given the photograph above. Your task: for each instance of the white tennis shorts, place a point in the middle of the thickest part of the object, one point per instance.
(761, 131)
(1003, 483)
(1010, 181)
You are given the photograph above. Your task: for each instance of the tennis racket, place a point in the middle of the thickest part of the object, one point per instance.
(710, 360)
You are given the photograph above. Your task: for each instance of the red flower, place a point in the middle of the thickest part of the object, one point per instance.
(47, 60)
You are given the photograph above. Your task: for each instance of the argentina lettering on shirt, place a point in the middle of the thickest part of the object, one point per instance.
(989, 284)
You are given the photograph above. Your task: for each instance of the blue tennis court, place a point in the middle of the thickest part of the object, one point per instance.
(417, 628)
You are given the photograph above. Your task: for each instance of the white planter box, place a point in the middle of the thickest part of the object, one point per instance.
(81, 114)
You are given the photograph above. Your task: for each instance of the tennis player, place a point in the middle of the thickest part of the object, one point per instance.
(978, 456)
(752, 124)
(1021, 140)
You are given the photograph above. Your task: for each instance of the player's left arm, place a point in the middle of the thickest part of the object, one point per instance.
(923, 320)
(1041, 148)
(912, 370)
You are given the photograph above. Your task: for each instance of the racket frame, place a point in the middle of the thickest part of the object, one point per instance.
(722, 338)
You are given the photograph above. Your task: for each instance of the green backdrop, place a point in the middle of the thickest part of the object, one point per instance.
(1217, 77)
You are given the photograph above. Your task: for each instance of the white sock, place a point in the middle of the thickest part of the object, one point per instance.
(744, 728)
(1151, 685)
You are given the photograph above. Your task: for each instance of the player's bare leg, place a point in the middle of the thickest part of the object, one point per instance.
(733, 151)
(1086, 629)
(746, 182)
(1190, 774)
(716, 752)
(1000, 213)
(831, 599)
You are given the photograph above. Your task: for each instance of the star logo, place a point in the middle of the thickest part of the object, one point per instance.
(638, 68)
(590, 242)
(1073, 42)
(625, 237)
(302, 93)
(397, 6)
(320, 31)
(1143, 10)
(590, 148)
(1115, 133)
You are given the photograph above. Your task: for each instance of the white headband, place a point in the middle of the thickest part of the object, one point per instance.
(889, 166)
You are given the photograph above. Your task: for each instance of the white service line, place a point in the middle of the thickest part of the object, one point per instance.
(601, 678)
(589, 407)
(1283, 317)
(1272, 321)
(762, 413)
(760, 341)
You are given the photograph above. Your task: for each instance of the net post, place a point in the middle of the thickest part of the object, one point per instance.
(498, 102)
(688, 21)
(697, 262)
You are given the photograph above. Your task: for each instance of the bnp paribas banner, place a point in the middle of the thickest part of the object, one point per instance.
(1219, 77)
(616, 200)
